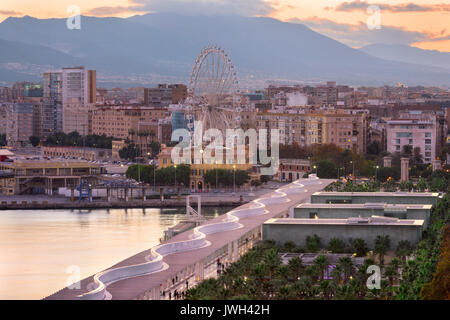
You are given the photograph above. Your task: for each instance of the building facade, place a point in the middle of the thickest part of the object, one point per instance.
(417, 133)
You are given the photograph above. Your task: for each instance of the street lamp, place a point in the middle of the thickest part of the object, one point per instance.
(216, 174)
(175, 166)
(376, 169)
(234, 178)
(315, 167)
(353, 173)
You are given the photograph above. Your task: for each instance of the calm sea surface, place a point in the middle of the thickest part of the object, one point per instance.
(40, 249)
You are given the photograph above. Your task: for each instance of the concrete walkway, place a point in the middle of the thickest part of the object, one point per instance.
(139, 286)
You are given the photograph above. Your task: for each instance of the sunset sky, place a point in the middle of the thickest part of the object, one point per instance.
(420, 23)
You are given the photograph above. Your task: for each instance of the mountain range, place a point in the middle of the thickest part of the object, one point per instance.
(404, 53)
(162, 47)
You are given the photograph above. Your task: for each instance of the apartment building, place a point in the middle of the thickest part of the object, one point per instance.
(19, 123)
(417, 133)
(52, 107)
(164, 94)
(124, 122)
(348, 131)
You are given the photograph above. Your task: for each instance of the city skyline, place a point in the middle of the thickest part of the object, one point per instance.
(421, 24)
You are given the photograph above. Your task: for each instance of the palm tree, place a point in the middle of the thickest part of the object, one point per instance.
(417, 155)
(359, 246)
(382, 245)
(404, 249)
(395, 262)
(302, 287)
(346, 265)
(313, 243)
(336, 245)
(391, 273)
(296, 266)
(312, 272)
(283, 272)
(336, 273)
(285, 293)
(326, 288)
(321, 262)
(272, 260)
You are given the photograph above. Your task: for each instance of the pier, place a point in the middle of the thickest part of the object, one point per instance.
(191, 254)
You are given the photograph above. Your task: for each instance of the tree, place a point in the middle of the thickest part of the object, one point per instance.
(359, 247)
(156, 148)
(404, 249)
(346, 264)
(225, 178)
(406, 186)
(313, 243)
(130, 152)
(373, 148)
(322, 263)
(417, 156)
(75, 139)
(384, 173)
(390, 185)
(421, 185)
(34, 141)
(295, 264)
(272, 260)
(336, 245)
(289, 246)
(407, 151)
(391, 274)
(382, 245)
(326, 169)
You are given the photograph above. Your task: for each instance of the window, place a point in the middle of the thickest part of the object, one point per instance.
(427, 141)
(397, 141)
(428, 147)
(404, 134)
(427, 154)
(427, 134)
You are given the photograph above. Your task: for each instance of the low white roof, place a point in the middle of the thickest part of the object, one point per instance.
(5, 152)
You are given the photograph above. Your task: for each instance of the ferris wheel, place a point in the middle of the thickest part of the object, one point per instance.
(212, 91)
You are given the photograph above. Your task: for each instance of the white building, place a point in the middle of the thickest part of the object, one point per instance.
(79, 90)
(67, 94)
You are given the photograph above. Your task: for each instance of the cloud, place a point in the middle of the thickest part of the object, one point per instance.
(359, 35)
(241, 7)
(10, 13)
(359, 5)
(110, 11)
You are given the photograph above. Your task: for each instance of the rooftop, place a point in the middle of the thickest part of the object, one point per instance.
(374, 220)
(377, 194)
(366, 205)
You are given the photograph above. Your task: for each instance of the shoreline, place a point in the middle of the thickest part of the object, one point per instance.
(115, 205)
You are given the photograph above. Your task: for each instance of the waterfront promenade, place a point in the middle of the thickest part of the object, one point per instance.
(185, 256)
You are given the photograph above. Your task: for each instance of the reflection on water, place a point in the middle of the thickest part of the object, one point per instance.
(38, 247)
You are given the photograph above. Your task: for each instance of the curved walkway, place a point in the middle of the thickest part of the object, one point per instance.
(158, 259)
